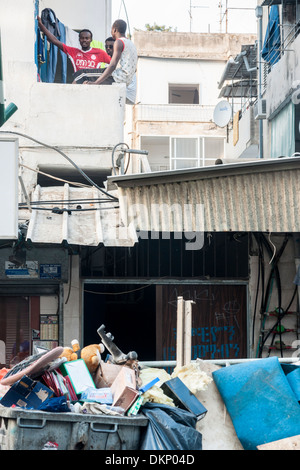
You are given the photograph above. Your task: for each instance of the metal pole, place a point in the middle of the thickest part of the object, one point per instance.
(259, 13)
(219, 362)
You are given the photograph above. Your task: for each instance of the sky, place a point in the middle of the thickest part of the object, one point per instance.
(197, 16)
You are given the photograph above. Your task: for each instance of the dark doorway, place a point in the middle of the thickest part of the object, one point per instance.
(128, 312)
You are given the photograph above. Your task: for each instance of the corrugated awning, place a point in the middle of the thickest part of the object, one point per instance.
(239, 89)
(259, 196)
(266, 3)
(243, 66)
(76, 216)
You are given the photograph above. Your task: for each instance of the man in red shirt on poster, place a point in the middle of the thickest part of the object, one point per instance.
(84, 59)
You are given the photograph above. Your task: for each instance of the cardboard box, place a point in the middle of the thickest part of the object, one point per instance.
(106, 374)
(123, 388)
(79, 375)
(183, 397)
(26, 393)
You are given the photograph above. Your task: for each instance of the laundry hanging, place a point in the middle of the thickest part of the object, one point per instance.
(272, 43)
(57, 28)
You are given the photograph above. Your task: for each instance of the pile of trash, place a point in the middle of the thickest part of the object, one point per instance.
(77, 380)
(251, 405)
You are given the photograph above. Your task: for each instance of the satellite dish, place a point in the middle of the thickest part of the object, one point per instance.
(222, 113)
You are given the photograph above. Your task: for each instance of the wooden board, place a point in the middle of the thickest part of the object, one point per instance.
(219, 323)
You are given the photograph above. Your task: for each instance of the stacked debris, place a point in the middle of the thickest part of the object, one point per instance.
(254, 404)
(76, 380)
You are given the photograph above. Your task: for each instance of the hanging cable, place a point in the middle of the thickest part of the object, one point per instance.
(74, 183)
(281, 315)
(65, 156)
(127, 19)
(260, 280)
(274, 272)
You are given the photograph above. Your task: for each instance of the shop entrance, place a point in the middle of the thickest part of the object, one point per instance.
(128, 311)
(142, 318)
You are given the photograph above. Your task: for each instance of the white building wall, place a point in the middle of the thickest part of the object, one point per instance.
(155, 75)
(94, 15)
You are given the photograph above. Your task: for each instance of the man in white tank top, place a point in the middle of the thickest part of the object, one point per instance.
(122, 67)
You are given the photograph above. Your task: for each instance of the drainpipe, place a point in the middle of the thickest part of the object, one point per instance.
(5, 113)
(259, 14)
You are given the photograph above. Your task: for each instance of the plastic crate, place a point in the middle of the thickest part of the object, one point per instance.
(32, 430)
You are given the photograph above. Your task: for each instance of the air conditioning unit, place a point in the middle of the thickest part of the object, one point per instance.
(260, 109)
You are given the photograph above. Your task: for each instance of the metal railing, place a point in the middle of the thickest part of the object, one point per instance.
(174, 112)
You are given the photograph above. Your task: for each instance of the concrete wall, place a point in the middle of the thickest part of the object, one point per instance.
(73, 304)
(200, 46)
(280, 81)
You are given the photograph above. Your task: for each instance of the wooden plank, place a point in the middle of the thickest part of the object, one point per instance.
(159, 329)
(180, 332)
(187, 340)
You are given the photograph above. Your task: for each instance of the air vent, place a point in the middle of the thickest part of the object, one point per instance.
(260, 109)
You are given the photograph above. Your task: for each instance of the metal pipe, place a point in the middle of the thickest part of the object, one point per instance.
(219, 362)
(259, 13)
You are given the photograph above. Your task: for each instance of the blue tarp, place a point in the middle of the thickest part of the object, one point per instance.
(292, 373)
(261, 403)
(271, 48)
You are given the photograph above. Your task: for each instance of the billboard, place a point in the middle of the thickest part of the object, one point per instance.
(9, 149)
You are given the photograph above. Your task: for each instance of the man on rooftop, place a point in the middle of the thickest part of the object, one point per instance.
(122, 67)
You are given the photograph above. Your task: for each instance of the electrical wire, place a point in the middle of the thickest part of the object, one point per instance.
(127, 18)
(66, 201)
(276, 275)
(260, 280)
(119, 293)
(58, 210)
(274, 252)
(56, 149)
(280, 316)
(74, 183)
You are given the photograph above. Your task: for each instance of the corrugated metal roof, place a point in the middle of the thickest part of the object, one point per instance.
(262, 196)
(242, 66)
(240, 89)
(76, 216)
(277, 2)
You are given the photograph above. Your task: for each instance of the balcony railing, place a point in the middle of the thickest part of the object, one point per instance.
(174, 112)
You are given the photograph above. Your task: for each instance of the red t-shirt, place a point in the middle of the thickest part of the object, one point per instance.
(91, 59)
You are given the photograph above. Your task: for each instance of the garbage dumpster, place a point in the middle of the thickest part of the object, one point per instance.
(22, 429)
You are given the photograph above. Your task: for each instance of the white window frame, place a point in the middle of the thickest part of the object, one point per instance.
(201, 160)
(184, 86)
